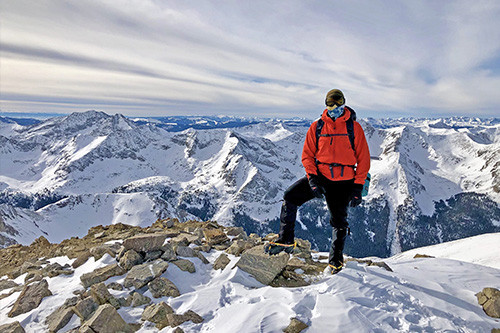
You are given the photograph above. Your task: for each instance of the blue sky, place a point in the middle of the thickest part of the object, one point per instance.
(250, 58)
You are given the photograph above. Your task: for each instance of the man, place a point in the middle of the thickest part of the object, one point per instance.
(337, 161)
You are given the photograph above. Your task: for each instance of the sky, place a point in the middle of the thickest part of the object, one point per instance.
(250, 58)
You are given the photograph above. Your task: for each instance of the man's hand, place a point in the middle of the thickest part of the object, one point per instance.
(316, 189)
(356, 195)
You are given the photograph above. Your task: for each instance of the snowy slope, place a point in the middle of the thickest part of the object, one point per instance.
(238, 176)
(420, 295)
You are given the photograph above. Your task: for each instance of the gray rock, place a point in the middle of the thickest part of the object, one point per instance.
(153, 255)
(33, 276)
(7, 284)
(168, 253)
(115, 286)
(221, 262)
(130, 259)
(101, 274)
(174, 319)
(145, 242)
(141, 275)
(138, 299)
(99, 251)
(239, 246)
(235, 231)
(81, 259)
(157, 313)
(85, 308)
(30, 266)
(161, 287)
(261, 266)
(295, 326)
(185, 265)
(14, 327)
(71, 301)
(101, 295)
(30, 298)
(106, 320)
(178, 330)
(59, 318)
(193, 316)
(202, 258)
(185, 251)
(215, 236)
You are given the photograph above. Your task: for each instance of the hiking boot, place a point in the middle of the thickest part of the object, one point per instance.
(273, 248)
(334, 269)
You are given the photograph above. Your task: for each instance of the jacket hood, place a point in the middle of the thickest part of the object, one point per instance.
(342, 118)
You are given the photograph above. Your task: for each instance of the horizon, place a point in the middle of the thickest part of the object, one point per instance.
(148, 58)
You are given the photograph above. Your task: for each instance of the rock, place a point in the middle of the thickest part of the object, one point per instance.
(235, 231)
(153, 255)
(489, 298)
(185, 251)
(101, 295)
(81, 259)
(30, 298)
(99, 251)
(178, 330)
(140, 275)
(186, 239)
(145, 242)
(221, 262)
(101, 274)
(168, 252)
(239, 246)
(382, 265)
(30, 266)
(138, 299)
(14, 327)
(130, 259)
(308, 266)
(161, 286)
(7, 284)
(85, 308)
(261, 266)
(166, 223)
(202, 258)
(193, 316)
(115, 286)
(157, 313)
(205, 248)
(99, 235)
(70, 301)
(107, 320)
(185, 265)
(59, 318)
(175, 319)
(295, 326)
(215, 236)
(289, 279)
(416, 256)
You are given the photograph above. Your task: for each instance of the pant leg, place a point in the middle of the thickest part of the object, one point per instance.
(296, 195)
(337, 198)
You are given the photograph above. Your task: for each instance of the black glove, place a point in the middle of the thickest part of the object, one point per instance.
(356, 195)
(316, 189)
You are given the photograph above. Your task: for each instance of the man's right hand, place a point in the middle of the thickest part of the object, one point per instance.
(316, 189)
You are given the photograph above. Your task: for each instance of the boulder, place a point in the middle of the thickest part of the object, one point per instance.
(295, 326)
(106, 320)
(157, 313)
(239, 246)
(193, 316)
(185, 265)
(221, 262)
(59, 318)
(263, 267)
(174, 319)
(178, 330)
(185, 251)
(202, 258)
(14, 327)
(129, 259)
(101, 274)
(489, 298)
(85, 308)
(115, 286)
(153, 255)
(30, 298)
(99, 251)
(145, 242)
(141, 275)
(101, 295)
(168, 252)
(235, 231)
(81, 259)
(138, 299)
(161, 287)
(7, 284)
(186, 239)
(215, 236)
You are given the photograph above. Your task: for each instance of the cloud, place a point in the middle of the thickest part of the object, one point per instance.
(145, 57)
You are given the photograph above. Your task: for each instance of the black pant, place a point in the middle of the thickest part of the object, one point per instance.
(337, 195)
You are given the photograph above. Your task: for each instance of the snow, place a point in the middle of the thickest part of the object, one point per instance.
(421, 295)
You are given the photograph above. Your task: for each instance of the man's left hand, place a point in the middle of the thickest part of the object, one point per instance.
(356, 195)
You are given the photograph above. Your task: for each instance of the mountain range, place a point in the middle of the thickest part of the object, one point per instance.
(433, 180)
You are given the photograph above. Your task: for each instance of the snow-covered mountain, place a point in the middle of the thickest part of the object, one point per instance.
(433, 180)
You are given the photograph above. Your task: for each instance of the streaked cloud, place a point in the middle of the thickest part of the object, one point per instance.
(266, 58)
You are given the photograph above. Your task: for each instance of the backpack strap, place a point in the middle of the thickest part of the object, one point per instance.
(349, 124)
(319, 127)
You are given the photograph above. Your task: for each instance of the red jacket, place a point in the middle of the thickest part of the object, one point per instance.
(337, 149)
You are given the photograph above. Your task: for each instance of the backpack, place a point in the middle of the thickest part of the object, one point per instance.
(350, 133)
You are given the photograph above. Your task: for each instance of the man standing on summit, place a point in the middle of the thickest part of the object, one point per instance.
(337, 160)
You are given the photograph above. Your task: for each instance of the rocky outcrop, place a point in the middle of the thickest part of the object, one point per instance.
(141, 275)
(185, 265)
(221, 262)
(489, 299)
(161, 287)
(59, 318)
(157, 313)
(30, 298)
(106, 320)
(295, 326)
(14, 327)
(85, 308)
(261, 266)
(130, 259)
(145, 242)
